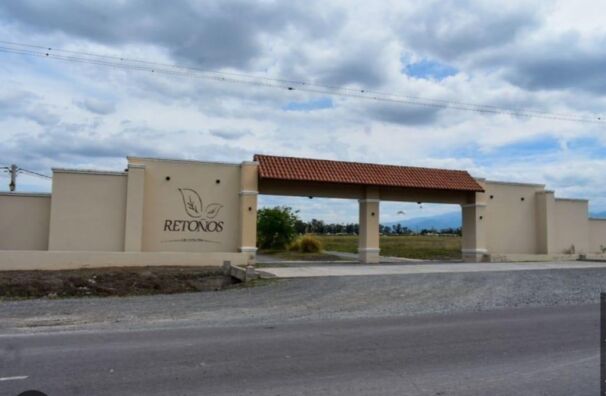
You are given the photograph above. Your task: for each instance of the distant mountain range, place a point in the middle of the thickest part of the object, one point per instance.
(438, 222)
(448, 220)
(599, 215)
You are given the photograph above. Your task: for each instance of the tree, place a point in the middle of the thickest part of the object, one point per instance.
(350, 228)
(300, 227)
(398, 229)
(276, 227)
(317, 226)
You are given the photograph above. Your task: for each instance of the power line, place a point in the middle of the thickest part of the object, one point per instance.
(13, 170)
(23, 170)
(309, 88)
(35, 173)
(283, 84)
(294, 82)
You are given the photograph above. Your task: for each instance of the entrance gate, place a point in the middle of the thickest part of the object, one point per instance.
(370, 184)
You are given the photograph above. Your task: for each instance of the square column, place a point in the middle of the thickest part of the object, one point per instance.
(368, 243)
(135, 191)
(248, 209)
(545, 205)
(474, 232)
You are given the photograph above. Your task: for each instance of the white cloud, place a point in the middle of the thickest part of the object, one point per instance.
(545, 57)
(101, 107)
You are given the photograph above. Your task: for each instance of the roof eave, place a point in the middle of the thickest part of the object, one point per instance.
(478, 189)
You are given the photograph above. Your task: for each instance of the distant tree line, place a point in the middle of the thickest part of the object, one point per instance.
(279, 226)
(320, 227)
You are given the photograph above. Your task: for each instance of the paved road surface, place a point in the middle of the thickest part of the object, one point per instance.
(341, 258)
(319, 270)
(529, 351)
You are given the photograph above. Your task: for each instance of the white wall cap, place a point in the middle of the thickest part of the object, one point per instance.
(129, 158)
(24, 194)
(572, 199)
(89, 172)
(515, 183)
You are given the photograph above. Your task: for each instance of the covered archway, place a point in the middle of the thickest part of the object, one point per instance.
(370, 184)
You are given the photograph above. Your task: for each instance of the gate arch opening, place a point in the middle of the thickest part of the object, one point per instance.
(370, 184)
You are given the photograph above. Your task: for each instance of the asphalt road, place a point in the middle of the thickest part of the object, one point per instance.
(524, 351)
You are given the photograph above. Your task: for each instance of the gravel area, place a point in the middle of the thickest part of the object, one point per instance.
(279, 301)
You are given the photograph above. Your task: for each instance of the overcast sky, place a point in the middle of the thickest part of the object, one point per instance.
(550, 56)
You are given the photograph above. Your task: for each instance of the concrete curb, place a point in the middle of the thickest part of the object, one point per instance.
(593, 257)
(244, 274)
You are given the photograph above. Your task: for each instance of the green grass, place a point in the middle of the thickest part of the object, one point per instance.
(430, 247)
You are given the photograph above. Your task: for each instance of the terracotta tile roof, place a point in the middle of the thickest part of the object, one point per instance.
(307, 169)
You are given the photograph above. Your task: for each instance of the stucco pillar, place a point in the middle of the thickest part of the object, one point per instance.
(545, 206)
(249, 191)
(368, 243)
(133, 227)
(474, 229)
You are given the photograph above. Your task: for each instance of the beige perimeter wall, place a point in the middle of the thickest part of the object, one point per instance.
(180, 194)
(597, 235)
(513, 222)
(572, 226)
(24, 221)
(87, 211)
(510, 217)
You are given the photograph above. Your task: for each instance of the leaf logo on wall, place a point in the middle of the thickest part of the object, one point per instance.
(194, 207)
(192, 202)
(212, 210)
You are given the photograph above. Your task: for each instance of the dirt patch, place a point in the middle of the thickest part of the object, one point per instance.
(125, 281)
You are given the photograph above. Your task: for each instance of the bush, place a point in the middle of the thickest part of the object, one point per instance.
(307, 244)
(276, 227)
(294, 245)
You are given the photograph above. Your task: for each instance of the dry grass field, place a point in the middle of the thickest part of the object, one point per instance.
(431, 247)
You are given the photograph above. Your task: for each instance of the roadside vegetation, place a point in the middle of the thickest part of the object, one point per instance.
(278, 237)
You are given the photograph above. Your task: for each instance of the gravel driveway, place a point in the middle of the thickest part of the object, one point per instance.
(280, 301)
